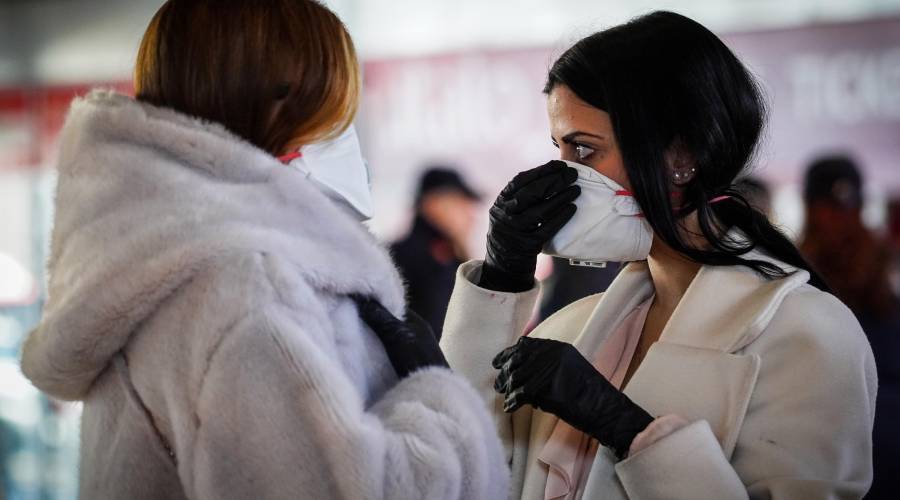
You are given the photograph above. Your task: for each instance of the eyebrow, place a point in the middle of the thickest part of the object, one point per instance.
(569, 138)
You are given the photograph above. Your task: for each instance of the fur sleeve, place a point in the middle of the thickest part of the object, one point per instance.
(277, 418)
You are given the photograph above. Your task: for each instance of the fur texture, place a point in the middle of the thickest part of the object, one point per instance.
(197, 306)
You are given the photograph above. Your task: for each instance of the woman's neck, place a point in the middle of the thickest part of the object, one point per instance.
(672, 272)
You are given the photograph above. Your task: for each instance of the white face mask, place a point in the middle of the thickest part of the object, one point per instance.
(339, 171)
(608, 226)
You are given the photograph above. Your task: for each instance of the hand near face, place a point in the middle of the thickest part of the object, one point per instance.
(527, 213)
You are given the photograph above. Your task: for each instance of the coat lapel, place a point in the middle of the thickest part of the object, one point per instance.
(695, 370)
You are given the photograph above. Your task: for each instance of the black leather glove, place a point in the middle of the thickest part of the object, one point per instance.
(410, 344)
(554, 377)
(527, 213)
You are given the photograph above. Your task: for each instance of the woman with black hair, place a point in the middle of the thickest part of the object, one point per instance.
(717, 364)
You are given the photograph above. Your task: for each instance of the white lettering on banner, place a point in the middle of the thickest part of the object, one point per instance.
(847, 87)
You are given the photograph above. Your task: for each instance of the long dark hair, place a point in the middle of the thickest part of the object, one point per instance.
(667, 81)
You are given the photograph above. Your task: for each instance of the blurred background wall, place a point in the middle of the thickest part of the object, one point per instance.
(450, 81)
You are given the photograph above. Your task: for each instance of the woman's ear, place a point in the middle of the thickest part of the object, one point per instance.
(680, 164)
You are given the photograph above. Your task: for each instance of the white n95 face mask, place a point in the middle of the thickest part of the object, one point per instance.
(338, 170)
(607, 227)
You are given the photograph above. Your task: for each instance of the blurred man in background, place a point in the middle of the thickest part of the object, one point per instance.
(446, 210)
(856, 264)
(851, 258)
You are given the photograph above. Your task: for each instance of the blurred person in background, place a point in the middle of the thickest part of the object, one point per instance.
(893, 223)
(211, 283)
(850, 257)
(855, 262)
(716, 365)
(445, 213)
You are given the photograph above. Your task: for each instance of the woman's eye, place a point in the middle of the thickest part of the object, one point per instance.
(583, 152)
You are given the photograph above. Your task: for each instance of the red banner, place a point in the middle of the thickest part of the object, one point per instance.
(31, 119)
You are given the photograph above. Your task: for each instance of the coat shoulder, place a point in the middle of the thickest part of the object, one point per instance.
(253, 281)
(812, 327)
(810, 315)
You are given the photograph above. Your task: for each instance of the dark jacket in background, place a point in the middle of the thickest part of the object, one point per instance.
(568, 284)
(884, 336)
(428, 263)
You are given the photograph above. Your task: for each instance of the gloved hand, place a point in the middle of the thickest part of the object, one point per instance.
(527, 213)
(554, 377)
(410, 344)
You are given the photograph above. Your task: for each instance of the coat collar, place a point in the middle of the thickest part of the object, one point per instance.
(727, 308)
(724, 309)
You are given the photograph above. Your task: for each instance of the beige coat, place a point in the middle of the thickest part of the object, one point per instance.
(776, 376)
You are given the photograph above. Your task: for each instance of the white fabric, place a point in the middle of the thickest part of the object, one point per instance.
(196, 275)
(607, 226)
(337, 167)
(776, 377)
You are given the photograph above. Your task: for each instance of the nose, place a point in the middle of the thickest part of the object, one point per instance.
(567, 154)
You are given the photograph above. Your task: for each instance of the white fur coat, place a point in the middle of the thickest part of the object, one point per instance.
(197, 306)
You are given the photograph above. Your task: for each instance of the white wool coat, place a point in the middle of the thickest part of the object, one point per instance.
(197, 305)
(776, 377)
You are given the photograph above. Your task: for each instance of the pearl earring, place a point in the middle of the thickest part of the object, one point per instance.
(682, 176)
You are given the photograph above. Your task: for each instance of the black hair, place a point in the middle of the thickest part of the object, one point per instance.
(666, 81)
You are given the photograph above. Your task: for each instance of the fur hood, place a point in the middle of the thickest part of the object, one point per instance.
(145, 197)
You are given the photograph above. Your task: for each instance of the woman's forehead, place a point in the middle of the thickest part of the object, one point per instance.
(569, 113)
